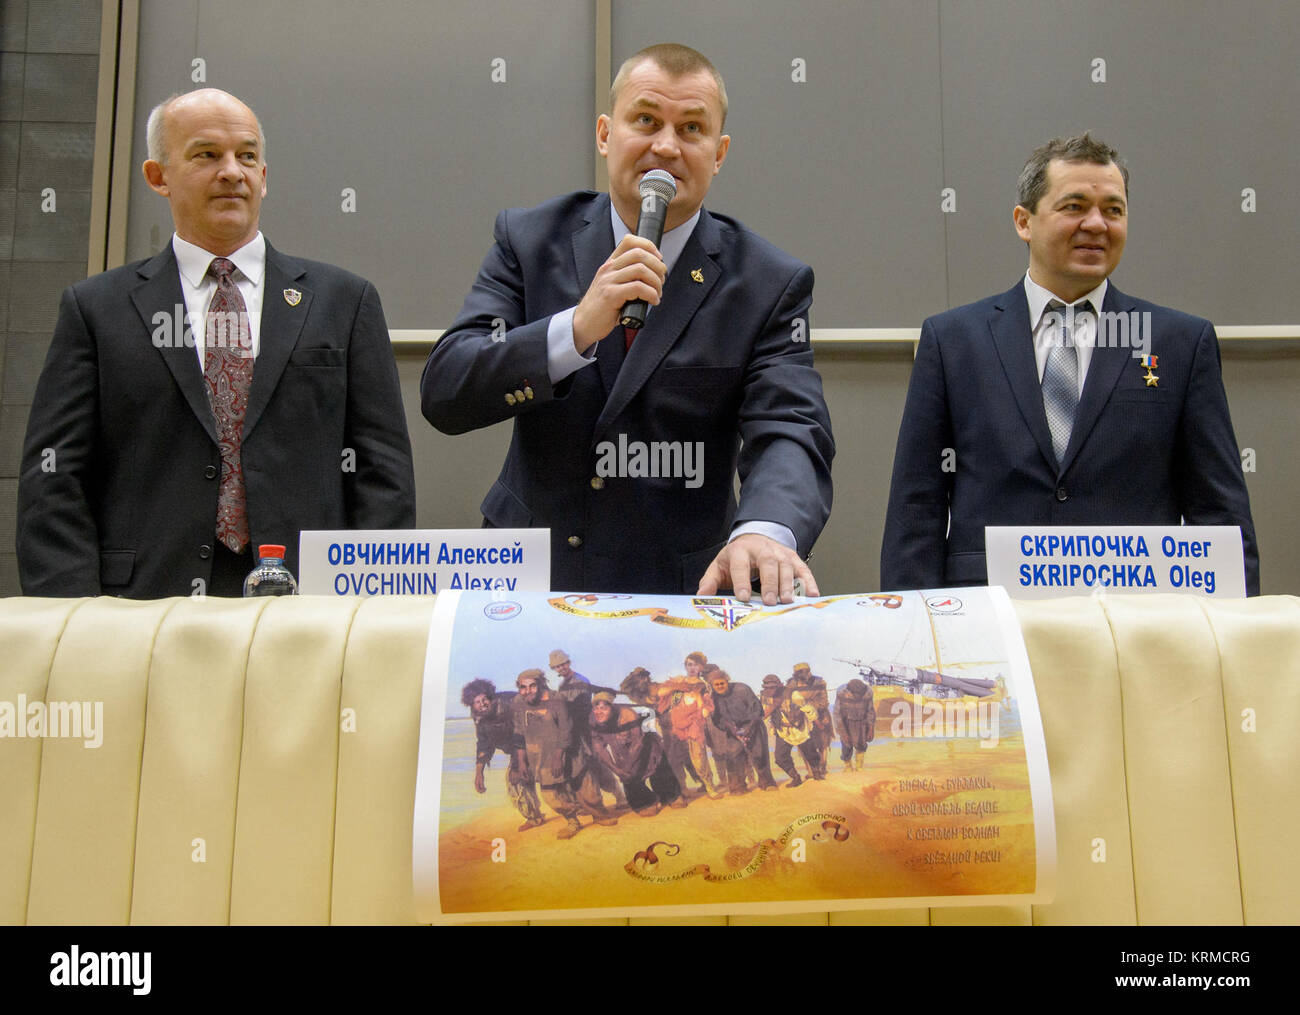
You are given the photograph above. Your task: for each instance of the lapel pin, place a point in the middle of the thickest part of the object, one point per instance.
(292, 297)
(1149, 363)
(697, 275)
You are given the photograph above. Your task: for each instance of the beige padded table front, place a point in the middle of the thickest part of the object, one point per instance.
(258, 762)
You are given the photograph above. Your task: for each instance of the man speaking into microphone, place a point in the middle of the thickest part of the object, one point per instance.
(627, 439)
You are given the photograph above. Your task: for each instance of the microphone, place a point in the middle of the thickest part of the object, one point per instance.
(657, 189)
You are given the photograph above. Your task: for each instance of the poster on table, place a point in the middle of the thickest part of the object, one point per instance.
(586, 755)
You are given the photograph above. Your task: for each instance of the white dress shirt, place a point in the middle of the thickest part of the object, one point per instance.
(1084, 325)
(198, 287)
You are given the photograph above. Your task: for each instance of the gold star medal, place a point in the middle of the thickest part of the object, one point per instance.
(1150, 364)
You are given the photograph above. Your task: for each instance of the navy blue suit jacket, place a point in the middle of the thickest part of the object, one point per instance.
(720, 361)
(129, 505)
(1138, 455)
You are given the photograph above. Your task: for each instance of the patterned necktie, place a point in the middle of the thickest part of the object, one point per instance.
(228, 371)
(1061, 382)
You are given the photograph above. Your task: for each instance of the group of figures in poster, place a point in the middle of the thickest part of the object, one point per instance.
(693, 735)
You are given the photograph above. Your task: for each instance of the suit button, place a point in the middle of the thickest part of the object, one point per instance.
(519, 396)
(510, 399)
(210, 472)
(597, 483)
(575, 541)
(205, 551)
(1061, 495)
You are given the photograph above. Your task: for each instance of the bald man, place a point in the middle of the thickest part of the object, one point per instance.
(214, 397)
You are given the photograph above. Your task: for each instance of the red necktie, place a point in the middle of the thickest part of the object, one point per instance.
(228, 371)
(629, 336)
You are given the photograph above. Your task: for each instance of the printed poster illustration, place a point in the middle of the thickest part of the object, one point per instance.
(612, 755)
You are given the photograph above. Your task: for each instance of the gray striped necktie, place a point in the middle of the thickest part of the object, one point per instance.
(1061, 382)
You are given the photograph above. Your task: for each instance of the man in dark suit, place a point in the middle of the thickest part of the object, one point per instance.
(152, 469)
(626, 446)
(1036, 407)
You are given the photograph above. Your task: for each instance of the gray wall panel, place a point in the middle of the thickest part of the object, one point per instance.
(1262, 380)
(865, 392)
(48, 72)
(165, 48)
(452, 474)
(843, 170)
(1197, 98)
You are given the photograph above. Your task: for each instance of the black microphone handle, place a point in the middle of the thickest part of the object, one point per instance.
(634, 312)
(650, 224)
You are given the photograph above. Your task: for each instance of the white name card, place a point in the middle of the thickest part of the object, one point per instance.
(1074, 560)
(423, 562)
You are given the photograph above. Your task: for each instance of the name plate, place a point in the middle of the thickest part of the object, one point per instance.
(1071, 560)
(423, 562)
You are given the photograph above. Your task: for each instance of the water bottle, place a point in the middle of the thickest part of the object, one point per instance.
(270, 577)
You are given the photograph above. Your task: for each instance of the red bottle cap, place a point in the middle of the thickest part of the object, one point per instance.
(270, 550)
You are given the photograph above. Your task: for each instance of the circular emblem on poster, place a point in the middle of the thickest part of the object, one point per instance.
(504, 610)
(943, 604)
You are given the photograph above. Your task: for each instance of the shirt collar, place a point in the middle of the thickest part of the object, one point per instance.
(1039, 297)
(193, 260)
(673, 242)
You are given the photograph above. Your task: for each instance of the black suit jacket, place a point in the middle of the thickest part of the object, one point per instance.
(721, 361)
(1138, 455)
(120, 470)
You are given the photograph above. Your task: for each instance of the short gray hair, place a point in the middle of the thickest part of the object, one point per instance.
(1083, 148)
(156, 133)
